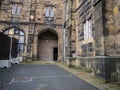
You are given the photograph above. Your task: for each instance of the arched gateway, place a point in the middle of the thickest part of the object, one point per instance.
(38, 25)
(48, 45)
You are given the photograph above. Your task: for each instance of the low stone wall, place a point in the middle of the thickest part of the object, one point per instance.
(102, 66)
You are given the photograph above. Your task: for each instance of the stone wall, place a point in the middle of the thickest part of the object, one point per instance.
(84, 13)
(32, 21)
(112, 27)
(98, 27)
(87, 50)
(103, 67)
(100, 53)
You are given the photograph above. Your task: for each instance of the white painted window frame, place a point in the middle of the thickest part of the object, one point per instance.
(16, 10)
(49, 12)
(87, 27)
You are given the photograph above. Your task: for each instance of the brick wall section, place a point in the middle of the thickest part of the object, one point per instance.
(47, 42)
(46, 48)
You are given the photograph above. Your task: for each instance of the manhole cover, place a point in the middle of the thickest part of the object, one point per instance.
(22, 79)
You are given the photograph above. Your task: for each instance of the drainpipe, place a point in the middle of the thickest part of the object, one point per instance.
(64, 44)
(64, 30)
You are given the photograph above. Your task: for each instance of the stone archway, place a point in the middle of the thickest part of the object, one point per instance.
(48, 46)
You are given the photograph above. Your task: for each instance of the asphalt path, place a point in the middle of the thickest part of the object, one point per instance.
(40, 77)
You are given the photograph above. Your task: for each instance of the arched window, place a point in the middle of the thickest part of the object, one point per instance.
(18, 34)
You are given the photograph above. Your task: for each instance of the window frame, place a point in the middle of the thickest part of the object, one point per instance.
(16, 9)
(87, 28)
(18, 35)
(49, 11)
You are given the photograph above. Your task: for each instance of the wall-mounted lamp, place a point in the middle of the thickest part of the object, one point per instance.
(31, 17)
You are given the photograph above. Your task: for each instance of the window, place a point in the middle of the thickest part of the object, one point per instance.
(87, 27)
(49, 12)
(18, 34)
(16, 10)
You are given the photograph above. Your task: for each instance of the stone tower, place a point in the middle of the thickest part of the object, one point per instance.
(37, 24)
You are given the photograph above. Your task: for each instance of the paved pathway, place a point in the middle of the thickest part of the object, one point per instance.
(40, 77)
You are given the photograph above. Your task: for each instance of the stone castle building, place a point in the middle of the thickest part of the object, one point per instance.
(37, 24)
(92, 35)
(80, 32)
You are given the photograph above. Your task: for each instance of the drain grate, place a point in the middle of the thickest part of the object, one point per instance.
(21, 79)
